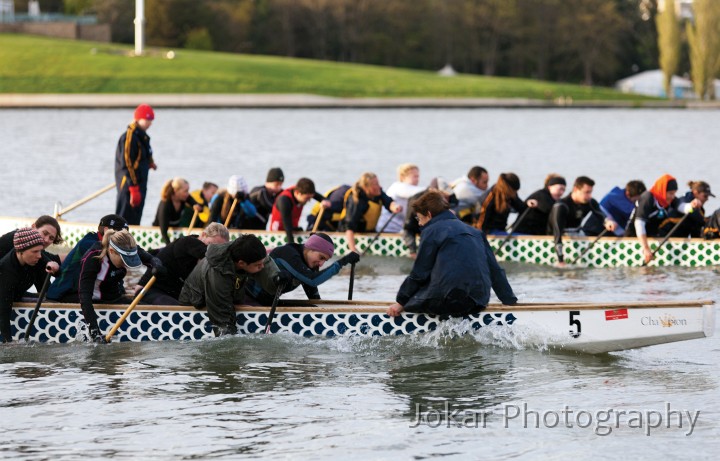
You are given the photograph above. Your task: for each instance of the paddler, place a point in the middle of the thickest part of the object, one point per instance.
(454, 269)
(218, 281)
(303, 263)
(652, 208)
(289, 205)
(103, 270)
(20, 269)
(363, 203)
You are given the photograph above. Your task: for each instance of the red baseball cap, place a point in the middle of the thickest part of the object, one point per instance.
(144, 111)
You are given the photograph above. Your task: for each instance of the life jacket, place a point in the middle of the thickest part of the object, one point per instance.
(371, 216)
(712, 229)
(336, 204)
(204, 215)
(276, 218)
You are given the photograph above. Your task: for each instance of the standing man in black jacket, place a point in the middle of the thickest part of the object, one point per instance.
(133, 160)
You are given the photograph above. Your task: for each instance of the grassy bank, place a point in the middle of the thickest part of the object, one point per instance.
(31, 64)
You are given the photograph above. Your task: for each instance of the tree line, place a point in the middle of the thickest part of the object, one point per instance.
(579, 41)
(699, 37)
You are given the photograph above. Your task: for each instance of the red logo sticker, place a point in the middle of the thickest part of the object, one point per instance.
(616, 314)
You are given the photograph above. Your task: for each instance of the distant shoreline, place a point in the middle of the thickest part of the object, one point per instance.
(308, 101)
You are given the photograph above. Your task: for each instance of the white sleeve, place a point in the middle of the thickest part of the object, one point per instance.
(640, 227)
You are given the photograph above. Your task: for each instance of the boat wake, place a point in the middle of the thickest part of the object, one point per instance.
(453, 333)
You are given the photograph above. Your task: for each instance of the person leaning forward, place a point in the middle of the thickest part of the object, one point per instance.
(20, 269)
(578, 214)
(218, 281)
(455, 267)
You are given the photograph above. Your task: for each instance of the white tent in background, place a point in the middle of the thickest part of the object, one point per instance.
(7, 10)
(650, 83)
(447, 71)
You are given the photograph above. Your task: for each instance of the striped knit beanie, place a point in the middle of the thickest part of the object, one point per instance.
(27, 237)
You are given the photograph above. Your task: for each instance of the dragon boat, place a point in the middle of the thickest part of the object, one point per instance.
(583, 327)
(607, 252)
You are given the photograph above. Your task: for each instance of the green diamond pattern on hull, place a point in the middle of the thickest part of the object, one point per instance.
(608, 252)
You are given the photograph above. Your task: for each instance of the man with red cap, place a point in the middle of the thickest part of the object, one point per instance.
(133, 160)
(19, 270)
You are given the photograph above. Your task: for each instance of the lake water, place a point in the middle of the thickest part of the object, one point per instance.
(284, 397)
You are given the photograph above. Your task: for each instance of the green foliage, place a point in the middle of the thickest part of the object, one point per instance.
(199, 39)
(78, 7)
(669, 45)
(704, 41)
(69, 66)
(562, 40)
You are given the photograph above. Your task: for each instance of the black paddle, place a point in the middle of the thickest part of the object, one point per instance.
(669, 234)
(601, 235)
(512, 229)
(382, 229)
(273, 308)
(352, 281)
(41, 295)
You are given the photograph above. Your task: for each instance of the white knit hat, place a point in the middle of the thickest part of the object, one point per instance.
(237, 184)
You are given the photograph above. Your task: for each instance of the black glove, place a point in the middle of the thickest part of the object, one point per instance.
(282, 278)
(350, 258)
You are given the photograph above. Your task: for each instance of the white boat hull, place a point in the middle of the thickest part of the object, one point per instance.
(589, 328)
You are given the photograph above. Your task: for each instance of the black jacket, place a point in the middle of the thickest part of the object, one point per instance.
(649, 210)
(102, 282)
(535, 221)
(179, 259)
(15, 279)
(566, 215)
(492, 219)
(167, 216)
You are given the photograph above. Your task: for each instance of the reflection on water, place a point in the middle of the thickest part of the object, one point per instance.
(286, 396)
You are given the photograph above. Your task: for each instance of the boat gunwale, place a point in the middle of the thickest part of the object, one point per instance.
(318, 306)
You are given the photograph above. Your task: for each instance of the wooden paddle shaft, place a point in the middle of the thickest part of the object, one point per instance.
(192, 221)
(130, 308)
(232, 210)
(318, 218)
(84, 200)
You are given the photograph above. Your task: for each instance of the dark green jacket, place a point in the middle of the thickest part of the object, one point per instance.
(217, 285)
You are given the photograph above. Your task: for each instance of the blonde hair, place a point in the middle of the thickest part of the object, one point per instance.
(217, 229)
(171, 186)
(362, 183)
(123, 239)
(404, 169)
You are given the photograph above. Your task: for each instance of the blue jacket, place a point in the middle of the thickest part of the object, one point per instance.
(68, 278)
(617, 205)
(454, 270)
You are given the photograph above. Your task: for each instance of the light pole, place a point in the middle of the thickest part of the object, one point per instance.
(139, 27)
